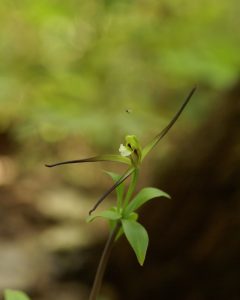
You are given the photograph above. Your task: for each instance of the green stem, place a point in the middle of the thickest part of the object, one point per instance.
(132, 187)
(103, 263)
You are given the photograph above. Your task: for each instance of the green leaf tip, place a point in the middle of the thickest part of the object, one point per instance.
(15, 295)
(115, 177)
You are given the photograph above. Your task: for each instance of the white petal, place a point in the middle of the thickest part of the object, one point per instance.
(124, 151)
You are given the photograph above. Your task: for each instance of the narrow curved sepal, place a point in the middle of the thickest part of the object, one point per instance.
(112, 188)
(158, 137)
(104, 157)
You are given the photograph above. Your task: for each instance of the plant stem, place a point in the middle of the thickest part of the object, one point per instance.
(109, 244)
(132, 187)
(103, 263)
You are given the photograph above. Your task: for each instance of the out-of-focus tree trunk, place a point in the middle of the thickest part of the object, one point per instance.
(194, 238)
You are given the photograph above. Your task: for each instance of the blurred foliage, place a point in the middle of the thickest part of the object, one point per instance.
(15, 295)
(74, 67)
(69, 72)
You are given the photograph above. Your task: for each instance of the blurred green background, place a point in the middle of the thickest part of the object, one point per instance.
(69, 71)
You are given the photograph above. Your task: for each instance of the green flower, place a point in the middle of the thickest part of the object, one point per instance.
(132, 149)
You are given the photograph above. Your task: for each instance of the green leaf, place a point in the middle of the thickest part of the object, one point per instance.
(109, 214)
(137, 236)
(15, 295)
(120, 189)
(142, 197)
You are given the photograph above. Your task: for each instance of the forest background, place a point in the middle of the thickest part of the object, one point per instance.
(77, 76)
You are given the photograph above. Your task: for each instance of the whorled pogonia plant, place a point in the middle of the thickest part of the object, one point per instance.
(123, 217)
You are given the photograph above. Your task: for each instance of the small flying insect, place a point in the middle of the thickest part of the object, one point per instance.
(128, 110)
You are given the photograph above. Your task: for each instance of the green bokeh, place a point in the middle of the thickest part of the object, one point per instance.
(74, 67)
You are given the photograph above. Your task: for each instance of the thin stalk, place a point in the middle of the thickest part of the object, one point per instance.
(132, 187)
(103, 263)
(109, 244)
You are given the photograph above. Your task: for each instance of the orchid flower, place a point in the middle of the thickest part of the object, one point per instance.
(131, 153)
